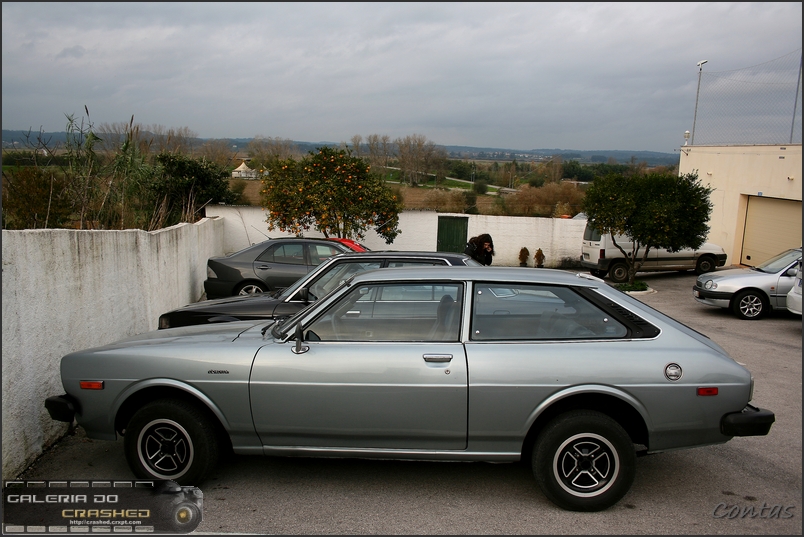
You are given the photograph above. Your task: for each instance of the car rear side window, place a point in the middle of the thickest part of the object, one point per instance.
(290, 254)
(504, 312)
(321, 252)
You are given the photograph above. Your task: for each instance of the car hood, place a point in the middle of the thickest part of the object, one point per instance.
(736, 275)
(264, 302)
(198, 334)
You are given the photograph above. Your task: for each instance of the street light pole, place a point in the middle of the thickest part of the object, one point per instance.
(695, 117)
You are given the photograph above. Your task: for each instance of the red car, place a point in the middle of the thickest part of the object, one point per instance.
(357, 247)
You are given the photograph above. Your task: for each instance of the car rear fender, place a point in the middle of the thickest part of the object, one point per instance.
(616, 403)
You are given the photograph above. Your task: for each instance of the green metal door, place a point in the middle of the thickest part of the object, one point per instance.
(452, 235)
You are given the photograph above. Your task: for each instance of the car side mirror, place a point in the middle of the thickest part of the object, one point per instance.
(792, 271)
(299, 348)
(304, 295)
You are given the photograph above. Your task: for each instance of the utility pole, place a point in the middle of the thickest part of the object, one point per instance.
(695, 117)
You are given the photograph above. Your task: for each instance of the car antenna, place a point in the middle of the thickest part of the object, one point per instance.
(264, 235)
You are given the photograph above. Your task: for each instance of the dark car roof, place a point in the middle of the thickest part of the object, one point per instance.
(265, 305)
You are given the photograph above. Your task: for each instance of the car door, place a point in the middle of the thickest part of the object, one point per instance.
(281, 264)
(682, 259)
(787, 278)
(377, 372)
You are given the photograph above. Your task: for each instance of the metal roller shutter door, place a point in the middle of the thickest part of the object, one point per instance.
(772, 225)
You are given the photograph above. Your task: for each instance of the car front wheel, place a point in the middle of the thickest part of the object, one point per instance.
(171, 439)
(749, 305)
(584, 461)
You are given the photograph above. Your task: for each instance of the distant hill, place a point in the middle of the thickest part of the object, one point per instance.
(17, 138)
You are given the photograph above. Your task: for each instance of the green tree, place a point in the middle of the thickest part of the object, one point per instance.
(183, 186)
(333, 192)
(654, 210)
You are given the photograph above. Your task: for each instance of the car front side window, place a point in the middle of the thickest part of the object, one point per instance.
(395, 312)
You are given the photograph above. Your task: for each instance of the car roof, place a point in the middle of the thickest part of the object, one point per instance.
(403, 253)
(503, 275)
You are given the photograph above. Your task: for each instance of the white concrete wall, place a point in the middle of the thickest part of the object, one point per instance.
(557, 237)
(66, 290)
(735, 172)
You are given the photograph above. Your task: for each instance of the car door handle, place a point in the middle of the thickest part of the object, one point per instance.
(437, 357)
(263, 267)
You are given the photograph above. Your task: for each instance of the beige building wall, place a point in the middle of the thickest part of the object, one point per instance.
(738, 173)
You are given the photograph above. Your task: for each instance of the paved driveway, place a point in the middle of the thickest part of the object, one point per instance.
(698, 491)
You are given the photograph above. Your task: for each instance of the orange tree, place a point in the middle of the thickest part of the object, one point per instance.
(331, 191)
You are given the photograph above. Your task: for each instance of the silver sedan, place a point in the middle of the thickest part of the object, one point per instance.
(751, 293)
(475, 364)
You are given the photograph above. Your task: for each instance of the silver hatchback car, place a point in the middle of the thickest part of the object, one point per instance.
(751, 293)
(475, 364)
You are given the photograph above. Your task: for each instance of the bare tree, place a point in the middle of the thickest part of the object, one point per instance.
(356, 141)
(218, 151)
(375, 155)
(264, 150)
(171, 140)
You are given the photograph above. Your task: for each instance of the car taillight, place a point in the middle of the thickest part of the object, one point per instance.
(602, 253)
(704, 392)
(91, 384)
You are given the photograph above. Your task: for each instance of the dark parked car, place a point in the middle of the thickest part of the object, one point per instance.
(493, 364)
(270, 265)
(307, 289)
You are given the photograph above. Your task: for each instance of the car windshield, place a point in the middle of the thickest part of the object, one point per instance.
(283, 326)
(779, 262)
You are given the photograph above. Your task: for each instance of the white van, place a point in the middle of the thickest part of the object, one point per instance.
(602, 258)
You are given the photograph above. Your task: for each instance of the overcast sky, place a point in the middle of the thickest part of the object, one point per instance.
(518, 76)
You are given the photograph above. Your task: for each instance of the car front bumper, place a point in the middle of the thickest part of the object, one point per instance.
(712, 298)
(62, 407)
(751, 421)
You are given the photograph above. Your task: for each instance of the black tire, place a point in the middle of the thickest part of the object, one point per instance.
(250, 288)
(597, 273)
(583, 460)
(171, 439)
(618, 272)
(705, 264)
(750, 305)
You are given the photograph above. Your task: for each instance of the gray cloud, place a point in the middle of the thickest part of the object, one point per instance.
(521, 75)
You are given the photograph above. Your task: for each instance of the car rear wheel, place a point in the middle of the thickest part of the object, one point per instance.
(584, 461)
(750, 305)
(171, 439)
(618, 272)
(251, 288)
(705, 264)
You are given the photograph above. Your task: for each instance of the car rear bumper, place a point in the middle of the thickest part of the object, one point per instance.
(61, 407)
(751, 421)
(216, 288)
